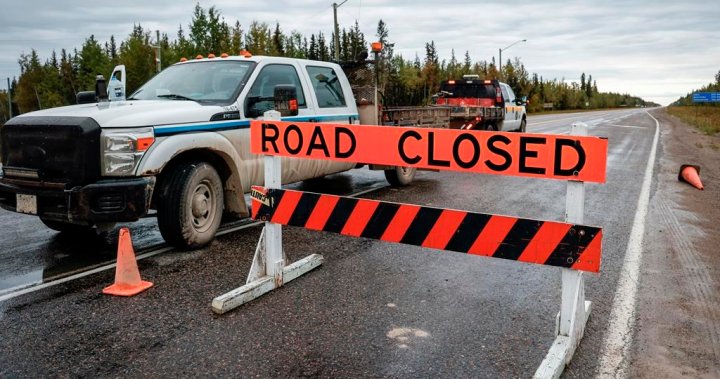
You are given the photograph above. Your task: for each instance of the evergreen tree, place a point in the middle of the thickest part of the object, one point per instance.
(183, 47)
(323, 50)
(27, 95)
(467, 63)
(138, 58)
(93, 62)
(199, 31)
(236, 39)
(68, 78)
(312, 49)
(112, 51)
(257, 39)
(217, 32)
(402, 82)
(385, 64)
(278, 42)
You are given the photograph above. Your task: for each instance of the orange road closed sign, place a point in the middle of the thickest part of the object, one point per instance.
(549, 156)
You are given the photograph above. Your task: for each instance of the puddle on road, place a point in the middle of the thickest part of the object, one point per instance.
(39, 257)
(405, 337)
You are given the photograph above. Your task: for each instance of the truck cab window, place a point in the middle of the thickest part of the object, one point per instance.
(261, 96)
(506, 95)
(511, 94)
(327, 87)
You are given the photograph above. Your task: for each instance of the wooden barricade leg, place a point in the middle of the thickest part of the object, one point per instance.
(269, 270)
(574, 309)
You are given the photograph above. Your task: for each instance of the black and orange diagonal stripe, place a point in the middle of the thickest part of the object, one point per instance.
(550, 243)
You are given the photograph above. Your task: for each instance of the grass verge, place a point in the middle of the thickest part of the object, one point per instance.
(704, 118)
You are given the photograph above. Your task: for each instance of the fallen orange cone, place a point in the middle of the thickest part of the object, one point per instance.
(127, 275)
(690, 174)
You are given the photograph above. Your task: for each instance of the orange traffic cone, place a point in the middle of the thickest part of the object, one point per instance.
(690, 174)
(127, 275)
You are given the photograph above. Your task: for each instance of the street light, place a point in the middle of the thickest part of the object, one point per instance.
(337, 31)
(500, 54)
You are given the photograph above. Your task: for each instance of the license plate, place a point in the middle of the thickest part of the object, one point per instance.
(27, 204)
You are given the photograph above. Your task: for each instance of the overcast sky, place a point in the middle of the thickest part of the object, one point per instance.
(658, 49)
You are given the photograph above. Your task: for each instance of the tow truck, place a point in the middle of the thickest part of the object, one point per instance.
(482, 104)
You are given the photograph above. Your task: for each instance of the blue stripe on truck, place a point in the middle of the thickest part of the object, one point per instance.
(167, 130)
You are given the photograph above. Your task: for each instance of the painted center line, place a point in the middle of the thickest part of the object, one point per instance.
(618, 340)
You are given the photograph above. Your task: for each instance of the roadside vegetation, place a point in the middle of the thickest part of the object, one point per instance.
(403, 81)
(705, 116)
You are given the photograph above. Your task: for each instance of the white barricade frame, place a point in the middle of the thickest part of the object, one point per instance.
(270, 270)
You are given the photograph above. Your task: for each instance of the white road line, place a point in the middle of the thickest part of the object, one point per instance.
(628, 126)
(34, 288)
(556, 120)
(616, 348)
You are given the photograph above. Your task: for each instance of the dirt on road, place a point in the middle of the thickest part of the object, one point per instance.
(678, 322)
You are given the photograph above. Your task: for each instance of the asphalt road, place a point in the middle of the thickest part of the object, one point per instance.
(372, 310)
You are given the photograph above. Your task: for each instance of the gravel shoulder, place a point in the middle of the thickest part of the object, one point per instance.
(678, 322)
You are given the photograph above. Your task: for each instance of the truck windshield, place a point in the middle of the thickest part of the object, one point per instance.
(466, 90)
(203, 81)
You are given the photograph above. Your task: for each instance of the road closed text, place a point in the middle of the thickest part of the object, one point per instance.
(533, 155)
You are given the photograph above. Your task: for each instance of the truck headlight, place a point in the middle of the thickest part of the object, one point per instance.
(122, 149)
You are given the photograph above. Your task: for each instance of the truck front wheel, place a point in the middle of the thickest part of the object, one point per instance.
(400, 176)
(190, 205)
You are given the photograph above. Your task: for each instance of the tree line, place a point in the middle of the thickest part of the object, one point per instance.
(711, 87)
(402, 81)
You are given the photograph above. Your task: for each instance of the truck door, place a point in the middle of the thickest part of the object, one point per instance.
(512, 116)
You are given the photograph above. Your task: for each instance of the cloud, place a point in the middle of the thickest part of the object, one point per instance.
(659, 50)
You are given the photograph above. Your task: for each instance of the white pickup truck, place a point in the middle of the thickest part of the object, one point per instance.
(179, 144)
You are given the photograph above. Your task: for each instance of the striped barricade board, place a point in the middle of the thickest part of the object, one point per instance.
(542, 242)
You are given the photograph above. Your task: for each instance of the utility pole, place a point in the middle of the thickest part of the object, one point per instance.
(9, 99)
(337, 30)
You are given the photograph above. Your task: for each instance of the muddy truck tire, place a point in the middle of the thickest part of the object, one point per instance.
(190, 205)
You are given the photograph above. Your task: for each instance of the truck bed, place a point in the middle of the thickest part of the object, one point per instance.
(423, 116)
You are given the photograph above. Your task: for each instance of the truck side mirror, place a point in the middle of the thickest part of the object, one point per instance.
(101, 92)
(85, 97)
(286, 99)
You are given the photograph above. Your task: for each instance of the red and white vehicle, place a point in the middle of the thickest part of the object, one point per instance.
(482, 104)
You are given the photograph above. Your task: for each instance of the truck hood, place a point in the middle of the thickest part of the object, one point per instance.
(136, 112)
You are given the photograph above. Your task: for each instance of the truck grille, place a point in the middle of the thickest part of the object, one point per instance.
(51, 149)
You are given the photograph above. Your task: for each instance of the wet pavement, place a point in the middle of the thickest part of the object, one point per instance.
(31, 254)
